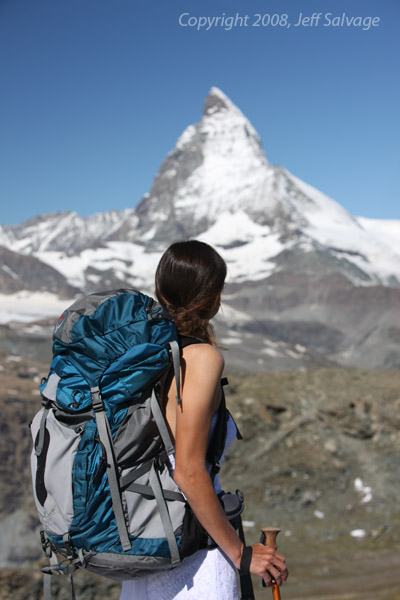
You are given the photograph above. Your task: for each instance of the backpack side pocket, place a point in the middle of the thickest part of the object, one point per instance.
(52, 473)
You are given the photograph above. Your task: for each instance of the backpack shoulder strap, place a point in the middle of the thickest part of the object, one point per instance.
(187, 340)
(216, 445)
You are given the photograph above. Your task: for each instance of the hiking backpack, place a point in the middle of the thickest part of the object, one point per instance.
(104, 493)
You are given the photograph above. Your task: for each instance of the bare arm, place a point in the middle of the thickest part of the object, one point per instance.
(203, 369)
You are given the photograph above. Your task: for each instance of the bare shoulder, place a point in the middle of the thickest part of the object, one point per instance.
(202, 367)
(200, 357)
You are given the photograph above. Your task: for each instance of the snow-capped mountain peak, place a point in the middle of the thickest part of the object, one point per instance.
(305, 278)
(218, 166)
(217, 103)
(216, 100)
(217, 183)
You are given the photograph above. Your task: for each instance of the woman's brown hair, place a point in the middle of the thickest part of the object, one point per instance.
(189, 281)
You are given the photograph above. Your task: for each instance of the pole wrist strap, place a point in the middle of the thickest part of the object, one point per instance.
(245, 561)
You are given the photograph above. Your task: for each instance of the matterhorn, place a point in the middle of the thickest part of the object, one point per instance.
(309, 284)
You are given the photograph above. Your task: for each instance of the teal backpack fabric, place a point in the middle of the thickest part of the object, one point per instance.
(102, 487)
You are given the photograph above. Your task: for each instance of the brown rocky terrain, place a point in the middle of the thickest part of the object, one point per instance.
(320, 459)
(314, 437)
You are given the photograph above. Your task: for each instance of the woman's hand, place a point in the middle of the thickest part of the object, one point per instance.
(268, 564)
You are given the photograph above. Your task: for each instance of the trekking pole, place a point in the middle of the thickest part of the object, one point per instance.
(268, 538)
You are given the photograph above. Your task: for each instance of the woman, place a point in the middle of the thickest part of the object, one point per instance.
(189, 282)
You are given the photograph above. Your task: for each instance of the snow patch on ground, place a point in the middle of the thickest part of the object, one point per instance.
(248, 524)
(228, 341)
(364, 490)
(358, 533)
(30, 306)
(10, 272)
(319, 514)
(282, 349)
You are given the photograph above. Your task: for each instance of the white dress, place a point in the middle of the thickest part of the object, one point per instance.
(206, 575)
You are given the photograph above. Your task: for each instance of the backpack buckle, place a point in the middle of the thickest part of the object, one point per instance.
(46, 547)
(46, 403)
(71, 554)
(160, 461)
(97, 402)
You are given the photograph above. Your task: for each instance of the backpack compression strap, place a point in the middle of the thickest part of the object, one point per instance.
(106, 439)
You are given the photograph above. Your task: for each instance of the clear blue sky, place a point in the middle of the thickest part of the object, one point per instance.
(94, 93)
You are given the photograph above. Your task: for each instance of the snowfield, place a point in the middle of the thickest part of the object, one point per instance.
(27, 306)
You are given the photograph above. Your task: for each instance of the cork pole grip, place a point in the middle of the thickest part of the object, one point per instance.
(268, 538)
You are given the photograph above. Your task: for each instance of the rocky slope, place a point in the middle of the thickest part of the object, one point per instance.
(19, 272)
(320, 459)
